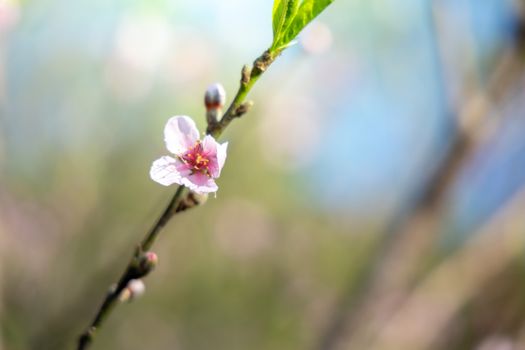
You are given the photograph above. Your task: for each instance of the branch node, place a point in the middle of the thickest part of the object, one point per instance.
(242, 109)
(245, 75)
(262, 63)
(142, 264)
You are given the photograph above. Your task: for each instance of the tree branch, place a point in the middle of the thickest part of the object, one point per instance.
(183, 199)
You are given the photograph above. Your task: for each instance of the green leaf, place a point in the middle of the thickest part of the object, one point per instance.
(278, 16)
(297, 19)
(291, 11)
(284, 12)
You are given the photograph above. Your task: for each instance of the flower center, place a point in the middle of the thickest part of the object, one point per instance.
(196, 159)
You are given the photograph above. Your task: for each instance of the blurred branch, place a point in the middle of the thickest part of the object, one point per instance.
(382, 284)
(436, 300)
(182, 200)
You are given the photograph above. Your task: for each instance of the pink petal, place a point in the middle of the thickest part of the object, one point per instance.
(209, 145)
(200, 183)
(216, 154)
(221, 156)
(209, 148)
(167, 171)
(180, 133)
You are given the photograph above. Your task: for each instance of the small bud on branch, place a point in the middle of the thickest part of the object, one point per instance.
(133, 290)
(242, 109)
(142, 263)
(215, 96)
(245, 74)
(148, 261)
(214, 100)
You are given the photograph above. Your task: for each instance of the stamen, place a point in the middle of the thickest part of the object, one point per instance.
(196, 159)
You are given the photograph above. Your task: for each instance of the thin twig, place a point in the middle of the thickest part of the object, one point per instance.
(173, 207)
(238, 107)
(182, 199)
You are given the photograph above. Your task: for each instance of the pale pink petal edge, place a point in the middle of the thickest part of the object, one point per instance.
(221, 156)
(164, 171)
(200, 183)
(180, 133)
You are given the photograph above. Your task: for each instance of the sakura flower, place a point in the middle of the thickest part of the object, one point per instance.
(197, 163)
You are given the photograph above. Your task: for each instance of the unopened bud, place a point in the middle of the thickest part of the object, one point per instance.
(245, 74)
(148, 261)
(242, 109)
(215, 96)
(133, 290)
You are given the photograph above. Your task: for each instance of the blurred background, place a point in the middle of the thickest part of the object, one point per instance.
(372, 199)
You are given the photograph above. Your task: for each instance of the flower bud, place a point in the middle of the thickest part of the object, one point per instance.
(215, 96)
(246, 74)
(133, 290)
(147, 262)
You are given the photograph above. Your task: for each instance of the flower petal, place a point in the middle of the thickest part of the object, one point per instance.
(209, 145)
(221, 156)
(167, 171)
(216, 154)
(180, 133)
(200, 183)
(209, 148)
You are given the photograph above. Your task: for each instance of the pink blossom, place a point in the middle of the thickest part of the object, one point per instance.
(197, 163)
